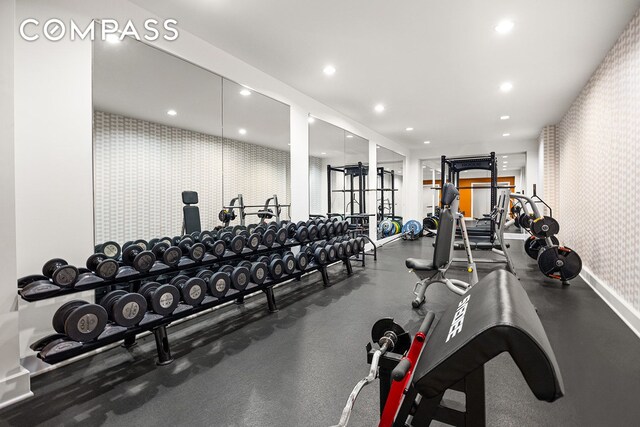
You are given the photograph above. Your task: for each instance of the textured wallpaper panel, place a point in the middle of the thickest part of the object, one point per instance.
(551, 176)
(598, 184)
(141, 169)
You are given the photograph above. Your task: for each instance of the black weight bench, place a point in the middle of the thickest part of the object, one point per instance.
(493, 317)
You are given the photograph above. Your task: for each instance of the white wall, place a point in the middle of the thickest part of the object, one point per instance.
(14, 380)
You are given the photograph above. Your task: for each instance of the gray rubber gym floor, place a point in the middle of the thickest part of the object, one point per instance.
(241, 366)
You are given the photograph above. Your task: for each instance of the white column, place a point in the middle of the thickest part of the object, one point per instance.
(413, 188)
(299, 164)
(14, 380)
(372, 201)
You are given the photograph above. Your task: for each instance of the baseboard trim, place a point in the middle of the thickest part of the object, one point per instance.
(9, 385)
(629, 315)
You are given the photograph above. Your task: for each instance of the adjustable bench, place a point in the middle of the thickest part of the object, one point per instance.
(494, 316)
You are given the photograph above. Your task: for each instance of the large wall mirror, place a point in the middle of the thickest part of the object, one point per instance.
(163, 126)
(338, 170)
(390, 171)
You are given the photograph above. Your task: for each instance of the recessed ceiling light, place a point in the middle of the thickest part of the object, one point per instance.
(505, 117)
(311, 119)
(379, 108)
(329, 70)
(504, 26)
(504, 157)
(409, 129)
(242, 131)
(427, 142)
(172, 112)
(323, 153)
(377, 146)
(506, 134)
(505, 162)
(349, 136)
(245, 92)
(112, 38)
(506, 86)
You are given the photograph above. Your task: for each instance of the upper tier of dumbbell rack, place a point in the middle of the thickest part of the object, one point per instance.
(226, 258)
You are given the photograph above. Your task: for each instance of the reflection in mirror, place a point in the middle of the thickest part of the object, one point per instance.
(338, 167)
(156, 133)
(256, 157)
(389, 192)
(475, 197)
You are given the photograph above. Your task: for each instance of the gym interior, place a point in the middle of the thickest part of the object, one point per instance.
(297, 213)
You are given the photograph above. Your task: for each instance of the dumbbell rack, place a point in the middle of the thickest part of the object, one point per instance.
(156, 323)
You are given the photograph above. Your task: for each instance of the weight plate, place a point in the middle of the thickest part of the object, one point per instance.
(237, 229)
(165, 299)
(525, 221)
(281, 236)
(545, 227)
(340, 252)
(197, 251)
(225, 236)
(338, 228)
(86, 322)
(258, 271)
(253, 241)
(111, 249)
(179, 280)
(172, 256)
(302, 260)
(289, 263)
(219, 248)
(355, 245)
(291, 230)
(219, 284)
(312, 231)
(237, 244)
(260, 230)
(276, 269)
(129, 309)
(127, 244)
(322, 231)
(332, 254)
(268, 238)
(193, 291)
(385, 325)
(558, 262)
(144, 261)
(331, 230)
(302, 233)
(60, 316)
(227, 269)
(142, 243)
(320, 256)
(240, 278)
(348, 249)
(533, 244)
(205, 275)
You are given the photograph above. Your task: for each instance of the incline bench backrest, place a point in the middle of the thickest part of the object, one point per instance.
(191, 213)
(446, 226)
(494, 316)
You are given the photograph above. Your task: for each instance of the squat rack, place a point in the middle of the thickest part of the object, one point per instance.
(356, 173)
(451, 167)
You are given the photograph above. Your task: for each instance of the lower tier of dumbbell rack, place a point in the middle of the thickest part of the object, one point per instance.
(152, 321)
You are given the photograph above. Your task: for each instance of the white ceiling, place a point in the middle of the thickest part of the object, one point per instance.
(508, 163)
(136, 80)
(436, 65)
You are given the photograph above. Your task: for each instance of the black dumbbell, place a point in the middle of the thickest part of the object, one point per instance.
(301, 224)
(143, 244)
(356, 245)
(139, 259)
(215, 247)
(124, 308)
(110, 249)
(322, 231)
(281, 236)
(258, 272)
(193, 290)
(170, 255)
(319, 255)
(195, 251)
(276, 267)
(291, 229)
(268, 237)
(218, 283)
(163, 299)
(240, 278)
(80, 320)
(302, 260)
(167, 240)
(345, 226)
(234, 243)
(338, 228)
(302, 233)
(103, 266)
(312, 231)
(289, 261)
(331, 229)
(253, 241)
(60, 272)
(263, 258)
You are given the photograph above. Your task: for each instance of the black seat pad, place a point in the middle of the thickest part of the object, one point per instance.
(499, 317)
(420, 264)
